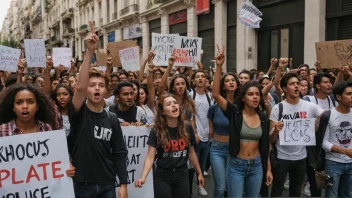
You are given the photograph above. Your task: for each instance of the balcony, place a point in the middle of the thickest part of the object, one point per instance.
(55, 24)
(68, 14)
(114, 16)
(68, 32)
(82, 2)
(129, 11)
(53, 38)
(83, 27)
(37, 15)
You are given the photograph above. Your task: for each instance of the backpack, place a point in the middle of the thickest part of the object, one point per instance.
(330, 100)
(208, 97)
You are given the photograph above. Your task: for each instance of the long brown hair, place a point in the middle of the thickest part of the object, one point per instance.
(188, 104)
(160, 126)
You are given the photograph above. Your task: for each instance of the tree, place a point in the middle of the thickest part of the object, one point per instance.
(11, 43)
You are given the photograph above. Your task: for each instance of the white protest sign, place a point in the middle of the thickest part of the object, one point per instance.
(35, 52)
(62, 56)
(163, 46)
(34, 165)
(298, 132)
(136, 142)
(250, 15)
(9, 58)
(188, 51)
(129, 58)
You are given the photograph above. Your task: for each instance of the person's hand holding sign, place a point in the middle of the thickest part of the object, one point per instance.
(172, 58)
(71, 172)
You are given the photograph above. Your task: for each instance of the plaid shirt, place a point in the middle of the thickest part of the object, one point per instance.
(10, 128)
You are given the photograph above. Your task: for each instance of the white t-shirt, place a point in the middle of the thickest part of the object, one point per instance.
(302, 110)
(202, 107)
(149, 114)
(324, 104)
(339, 133)
(66, 124)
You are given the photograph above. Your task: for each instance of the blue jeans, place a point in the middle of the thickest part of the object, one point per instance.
(85, 190)
(218, 161)
(244, 176)
(202, 150)
(341, 174)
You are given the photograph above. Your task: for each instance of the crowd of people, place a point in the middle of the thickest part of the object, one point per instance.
(198, 119)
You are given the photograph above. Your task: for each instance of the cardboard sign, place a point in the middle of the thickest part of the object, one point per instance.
(332, 54)
(102, 59)
(9, 58)
(35, 52)
(250, 15)
(62, 56)
(130, 58)
(136, 142)
(298, 132)
(34, 165)
(188, 51)
(163, 46)
(115, 47)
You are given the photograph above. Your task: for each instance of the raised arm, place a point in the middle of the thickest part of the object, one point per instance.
(20, 71)
(150, 85)
(220, 59)
(162, 84)
(47, 79)
(82, 84)
(141, 71)
(273, 62)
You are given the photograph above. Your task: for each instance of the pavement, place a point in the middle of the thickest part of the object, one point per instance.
(209, 187)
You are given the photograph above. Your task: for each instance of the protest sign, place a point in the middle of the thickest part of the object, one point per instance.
(102, 59)
(163, 46)
(332, 54)
(115, 47)
(35, 52)
(100, 68)
(250, 15)
(130, 58)
(136, 142)
(62, 56)
(9, 58)
(34, 165)
(298, 132)
(187, 51)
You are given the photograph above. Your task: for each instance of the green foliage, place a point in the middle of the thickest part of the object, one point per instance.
(10, 43)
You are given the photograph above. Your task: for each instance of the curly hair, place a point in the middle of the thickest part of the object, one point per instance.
(222, 85)
(160, 126)
(46, 112)
(54, 93)
(188, 104)
(244, 89)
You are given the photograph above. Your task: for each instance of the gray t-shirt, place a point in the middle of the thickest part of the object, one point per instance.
(302, 110)
(339, 133)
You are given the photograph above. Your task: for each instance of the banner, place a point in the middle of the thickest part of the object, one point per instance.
(298, 132)
(202, 7)
(9, 58)
(163, 46)
(136, 142)
(130, 58)
(62, 56)
(332, 54)
(35, 52)
(34, 165)
(188, 51)
(115, 47)
(250, 15)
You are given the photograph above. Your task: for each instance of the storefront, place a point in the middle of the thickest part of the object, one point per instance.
(178, 23)
(154, 26)
(231, 35)
(338, 20)
(206, 31)
(133, 32)
(281, 32)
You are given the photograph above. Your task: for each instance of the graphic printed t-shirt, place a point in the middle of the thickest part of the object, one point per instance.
(176, 153)
(66, 124)
(93, 157)
(339, 133)
(302, 110)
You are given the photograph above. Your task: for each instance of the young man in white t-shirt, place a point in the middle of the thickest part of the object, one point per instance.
(291, 159)
(337, 143)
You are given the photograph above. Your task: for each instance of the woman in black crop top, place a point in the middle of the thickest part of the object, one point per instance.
(172, 140)
(249, 137)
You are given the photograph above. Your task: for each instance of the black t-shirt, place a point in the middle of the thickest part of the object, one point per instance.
(176, 153)
(101, 151)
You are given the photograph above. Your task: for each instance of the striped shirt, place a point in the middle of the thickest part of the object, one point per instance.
(10, 128)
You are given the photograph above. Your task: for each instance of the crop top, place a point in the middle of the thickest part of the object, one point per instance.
(221, 125)
(249, 134)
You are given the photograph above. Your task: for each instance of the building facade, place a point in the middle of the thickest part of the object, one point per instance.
(289, 28)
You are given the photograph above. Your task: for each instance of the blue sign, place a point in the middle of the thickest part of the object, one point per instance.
(111, 36)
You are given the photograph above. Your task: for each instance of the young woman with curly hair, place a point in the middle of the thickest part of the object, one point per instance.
(172, 142)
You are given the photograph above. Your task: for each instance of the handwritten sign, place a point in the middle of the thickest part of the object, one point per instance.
(62, 56)
(35, 52)
(34, 165)
(333, 53)
(9, 58)
(250, 15)
(115, 47)
(188, 51)
(130, 58)
(136, 141)
(298, 132)
(163, 46)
